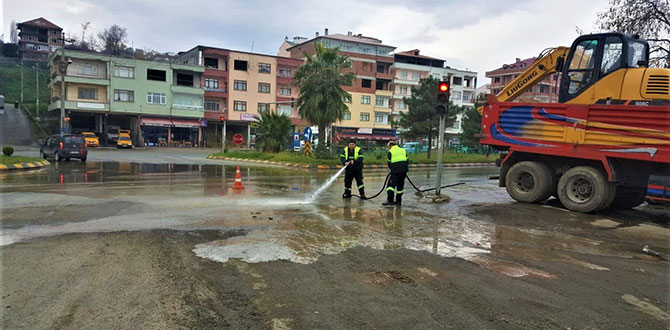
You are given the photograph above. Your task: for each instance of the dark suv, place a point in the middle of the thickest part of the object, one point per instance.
(64, 147)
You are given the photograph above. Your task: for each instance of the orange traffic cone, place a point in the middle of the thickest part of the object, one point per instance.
(238, 179)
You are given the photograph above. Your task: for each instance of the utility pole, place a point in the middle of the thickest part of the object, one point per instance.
(37, 90)
(22, 80)
(63, 70)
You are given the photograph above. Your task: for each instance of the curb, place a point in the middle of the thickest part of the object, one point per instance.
(24, 166)
(337, 167)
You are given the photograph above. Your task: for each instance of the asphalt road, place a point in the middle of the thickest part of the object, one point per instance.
(158, 239)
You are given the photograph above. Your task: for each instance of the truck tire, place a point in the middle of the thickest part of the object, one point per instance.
(585, 189)
(529, 182)
(627, 197)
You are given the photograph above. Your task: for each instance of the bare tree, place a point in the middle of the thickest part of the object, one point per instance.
(648, 18)
(112, 39)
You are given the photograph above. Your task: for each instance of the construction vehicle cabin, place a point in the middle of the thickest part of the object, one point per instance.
(595, 148)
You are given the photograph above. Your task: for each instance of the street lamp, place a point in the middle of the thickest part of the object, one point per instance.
(63, 70)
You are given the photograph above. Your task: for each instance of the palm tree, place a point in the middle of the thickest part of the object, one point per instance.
(321, 99)
(272, 131)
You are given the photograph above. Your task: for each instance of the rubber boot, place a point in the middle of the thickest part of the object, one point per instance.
(389, 198)
(361, 192)
(398, 199)
(347, 193)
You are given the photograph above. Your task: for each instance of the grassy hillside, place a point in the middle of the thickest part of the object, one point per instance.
(10, 83)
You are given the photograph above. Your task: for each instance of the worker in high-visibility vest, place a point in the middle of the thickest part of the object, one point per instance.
(352, 157)
(398, 164)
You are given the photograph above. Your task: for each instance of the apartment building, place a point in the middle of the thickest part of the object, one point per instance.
(544, 91)
(369, 112)
(161, 102)
(410, 67)
(38, 38)
(237, 86)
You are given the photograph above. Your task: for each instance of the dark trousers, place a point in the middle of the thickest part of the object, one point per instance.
(349, 177)
(396, 187)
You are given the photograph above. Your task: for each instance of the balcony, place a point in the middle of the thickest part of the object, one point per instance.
(186, 67)
(55, 78)
(381, 92)
(187, 90)
(216, 92)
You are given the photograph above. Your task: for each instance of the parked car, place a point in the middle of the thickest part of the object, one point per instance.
(124, 142)
(414, 147)
(64, 147)
(2, 104)
(91, 139)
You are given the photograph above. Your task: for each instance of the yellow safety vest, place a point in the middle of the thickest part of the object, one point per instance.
(398, 154)
(346, 152)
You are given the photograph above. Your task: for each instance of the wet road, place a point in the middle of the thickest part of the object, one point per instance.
(556, 253)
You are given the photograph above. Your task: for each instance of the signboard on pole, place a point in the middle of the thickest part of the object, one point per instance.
(296, 141)
(307, 133)
(238, 138)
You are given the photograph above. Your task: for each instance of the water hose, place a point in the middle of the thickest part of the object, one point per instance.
(420, 191)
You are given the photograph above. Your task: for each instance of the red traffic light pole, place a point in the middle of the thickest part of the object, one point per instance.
(443, 89)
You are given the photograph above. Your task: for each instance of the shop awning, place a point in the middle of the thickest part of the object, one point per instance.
(186, 123)
(372, 137)
(163, 122)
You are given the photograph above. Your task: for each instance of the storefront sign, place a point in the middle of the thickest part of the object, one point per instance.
(90, 105)
(248, 117)
(365, 130)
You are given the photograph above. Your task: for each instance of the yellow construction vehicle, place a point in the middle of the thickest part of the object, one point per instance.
(597, 147)
(607, 68)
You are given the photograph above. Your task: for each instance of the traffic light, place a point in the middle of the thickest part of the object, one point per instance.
(222, 118)
(442, 98)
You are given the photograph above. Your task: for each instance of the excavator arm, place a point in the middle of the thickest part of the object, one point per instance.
(550, 61)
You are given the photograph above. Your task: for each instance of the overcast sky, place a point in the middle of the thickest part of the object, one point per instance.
(475, 35)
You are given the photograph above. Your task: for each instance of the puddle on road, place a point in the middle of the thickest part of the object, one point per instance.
(281, 224)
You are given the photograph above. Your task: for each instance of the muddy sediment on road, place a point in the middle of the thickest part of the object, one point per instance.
(154, 280)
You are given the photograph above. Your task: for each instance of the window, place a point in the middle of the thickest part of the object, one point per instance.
(155, 98)
(184, 79)
(212, 105)
(285, 110)
(284, 72)
(457, 124)
(240, 85)
(400, 105)
(283, 90)
(263, 107)
(456, 96)
(403, 89)
(124, 96)
(580, 71)
(379, 85)
(458, 81)
(380, 68)
(211, 62)
(186, 101)
(366, 83)
(88, 70)
(240, 106)
(365, 99)
(212, 83)
(240, 65)
(264, 68)
(381, 102)
(124, 72)
(416, 76)
(87, 93)
(496, 79)
(467, 96)
(347, 115)
(543, 89)
(612, 55)
(263, 88)
(403, 74)
(365, 116)
(379, 117)
(637, 52)
(157, 75)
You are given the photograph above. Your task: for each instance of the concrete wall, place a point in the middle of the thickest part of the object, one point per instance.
(251, 96)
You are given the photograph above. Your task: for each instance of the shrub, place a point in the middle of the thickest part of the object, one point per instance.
(7, 150)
